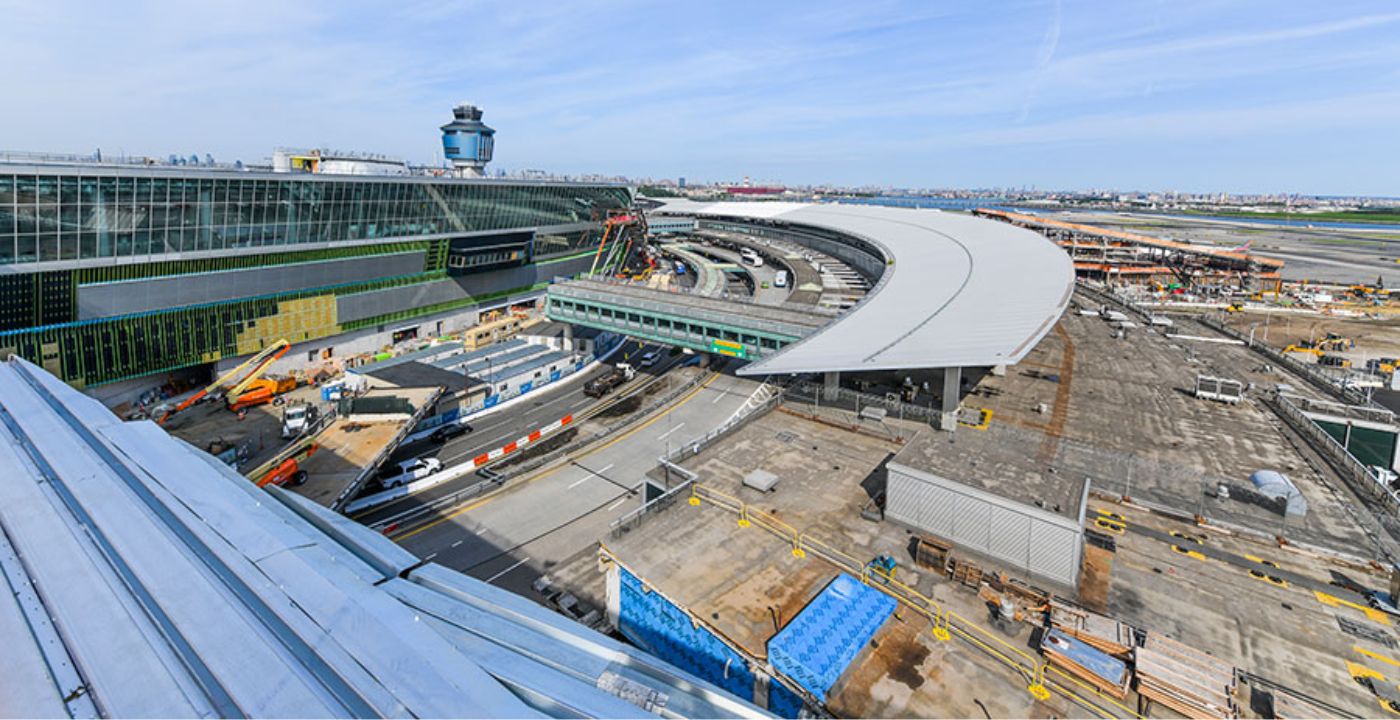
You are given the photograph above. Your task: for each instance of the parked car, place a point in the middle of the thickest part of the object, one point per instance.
(489, 474)
(408, 471)
(650, 358)
(450, 430)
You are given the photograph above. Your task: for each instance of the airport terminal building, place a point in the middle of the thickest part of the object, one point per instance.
(110, 272)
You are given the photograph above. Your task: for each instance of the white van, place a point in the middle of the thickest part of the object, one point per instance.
(781, 279)
(749, 256)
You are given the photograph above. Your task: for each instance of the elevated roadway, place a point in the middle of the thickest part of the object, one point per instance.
(947, 291)
(727, 327)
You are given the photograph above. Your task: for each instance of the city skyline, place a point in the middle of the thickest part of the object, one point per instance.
(1249, 98)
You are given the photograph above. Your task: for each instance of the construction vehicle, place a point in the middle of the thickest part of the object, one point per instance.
(296, 418)
(1382, 365)
(289, 473)
(1305, 349)
(254, 366)
(621, 373)
(1336, 361)
(1336, 343)
(258, 391)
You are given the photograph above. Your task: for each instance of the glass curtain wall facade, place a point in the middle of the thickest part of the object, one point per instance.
(69, 235)
(54, 217)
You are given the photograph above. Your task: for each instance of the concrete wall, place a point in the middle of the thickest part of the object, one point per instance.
(1027, 539)
(134, 296)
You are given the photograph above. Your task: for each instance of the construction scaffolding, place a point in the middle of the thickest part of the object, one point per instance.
(1115, 257)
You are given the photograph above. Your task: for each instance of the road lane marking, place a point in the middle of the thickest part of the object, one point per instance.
(489, 498)
(615, 505)
(478, 532)
(497, 576)
(590, 474)
(662, 436)
(459, 542)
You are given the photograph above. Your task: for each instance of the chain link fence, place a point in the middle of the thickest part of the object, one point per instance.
(1189, 491)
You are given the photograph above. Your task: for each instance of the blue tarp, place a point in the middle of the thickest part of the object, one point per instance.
(1110, 668)
(817, 646)
(652, 623)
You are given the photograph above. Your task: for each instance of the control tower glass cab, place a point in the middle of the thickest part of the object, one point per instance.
(467, 141)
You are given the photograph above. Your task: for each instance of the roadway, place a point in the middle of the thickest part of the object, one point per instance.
(495, 430)
(764, 291)
(512, 536)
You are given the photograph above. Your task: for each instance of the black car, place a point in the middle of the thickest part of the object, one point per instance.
(449, 431)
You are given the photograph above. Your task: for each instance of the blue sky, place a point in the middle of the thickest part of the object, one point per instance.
(1201, 96)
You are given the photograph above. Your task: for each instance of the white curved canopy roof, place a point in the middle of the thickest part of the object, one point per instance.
(958, 291)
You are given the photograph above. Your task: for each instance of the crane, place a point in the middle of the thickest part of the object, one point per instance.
(258, 363)
(616, 221)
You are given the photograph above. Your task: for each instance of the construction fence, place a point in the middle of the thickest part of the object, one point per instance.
(1334, 385)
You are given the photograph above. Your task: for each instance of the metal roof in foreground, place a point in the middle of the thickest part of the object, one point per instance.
(143, 578)
(957, 291)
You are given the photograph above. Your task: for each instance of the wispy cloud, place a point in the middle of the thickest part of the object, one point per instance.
(906, 93)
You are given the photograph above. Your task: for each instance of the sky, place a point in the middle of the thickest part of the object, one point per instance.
(1242, 96)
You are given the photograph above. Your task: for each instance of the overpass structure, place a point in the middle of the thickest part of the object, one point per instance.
(726, 327)
(947, 291)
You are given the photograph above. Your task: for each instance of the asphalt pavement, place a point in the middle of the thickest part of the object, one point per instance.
(495, 430)
(511, 537)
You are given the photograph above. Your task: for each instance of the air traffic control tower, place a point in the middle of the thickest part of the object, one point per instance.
(467, 141)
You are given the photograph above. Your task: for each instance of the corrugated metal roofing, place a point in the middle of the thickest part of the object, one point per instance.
(145, 578)
(496, 362)
(506, 373)
(957, 291)
(431, 351)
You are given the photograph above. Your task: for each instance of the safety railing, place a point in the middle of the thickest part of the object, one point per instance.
(944, 623)
(816, 395)
(1360, 478)
(632, 519)
(695, 445)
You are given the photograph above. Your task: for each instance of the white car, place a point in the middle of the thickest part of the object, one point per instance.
(408, 471)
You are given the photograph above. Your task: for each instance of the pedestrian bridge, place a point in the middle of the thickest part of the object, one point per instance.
(706, 324)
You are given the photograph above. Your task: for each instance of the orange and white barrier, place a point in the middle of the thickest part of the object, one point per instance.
(458, 470)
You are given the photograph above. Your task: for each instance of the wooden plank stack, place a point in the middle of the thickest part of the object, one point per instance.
(1182, 678)
(1105, 633)
(1107, 674)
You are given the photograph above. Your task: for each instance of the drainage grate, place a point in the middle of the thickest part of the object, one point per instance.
(787, 436)
(1365, 632)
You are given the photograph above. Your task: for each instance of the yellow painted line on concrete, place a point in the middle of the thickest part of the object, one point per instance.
(1375, 655)
(1109, 525)
(1188, 553)
(605, 446)
(1361, 671)
(1334, 601)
